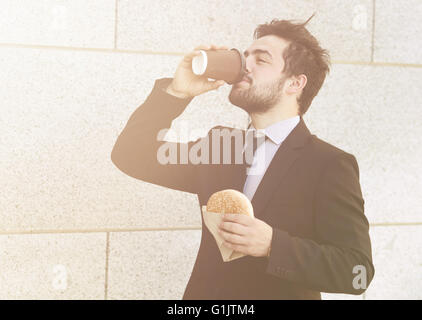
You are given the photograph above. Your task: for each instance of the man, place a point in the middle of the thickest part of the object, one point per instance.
(309, 233)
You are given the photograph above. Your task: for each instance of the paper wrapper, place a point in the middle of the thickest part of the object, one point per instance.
(212, 220)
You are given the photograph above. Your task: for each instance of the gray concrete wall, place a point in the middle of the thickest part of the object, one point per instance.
(72, 226)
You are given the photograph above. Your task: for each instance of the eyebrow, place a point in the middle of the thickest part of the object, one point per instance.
(246, 53)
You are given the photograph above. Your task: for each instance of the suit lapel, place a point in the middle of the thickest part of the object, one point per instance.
(290, 150)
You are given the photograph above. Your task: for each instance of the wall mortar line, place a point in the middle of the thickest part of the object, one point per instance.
(99, 230)
(50, 231)
(395, 224)
(104, 50)
(115, 24)
(170, 53)
(373, 30)
(379, 64)
(106, 265)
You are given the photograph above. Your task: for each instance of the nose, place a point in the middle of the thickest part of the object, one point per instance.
(248, 66)
(249, 63)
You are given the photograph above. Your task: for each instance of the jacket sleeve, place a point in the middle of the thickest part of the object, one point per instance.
(340, 260)
(138, 148)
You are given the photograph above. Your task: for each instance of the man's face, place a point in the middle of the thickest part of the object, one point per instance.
(262, 86)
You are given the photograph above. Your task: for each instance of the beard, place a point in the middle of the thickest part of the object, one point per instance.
(257, 99)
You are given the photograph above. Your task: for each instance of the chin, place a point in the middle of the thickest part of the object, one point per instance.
(247, 100)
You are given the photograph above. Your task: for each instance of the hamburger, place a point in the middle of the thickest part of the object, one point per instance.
(229, 201)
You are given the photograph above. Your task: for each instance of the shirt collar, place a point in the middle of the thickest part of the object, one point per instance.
(279, 131)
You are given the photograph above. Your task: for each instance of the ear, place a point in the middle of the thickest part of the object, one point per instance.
(295, 84)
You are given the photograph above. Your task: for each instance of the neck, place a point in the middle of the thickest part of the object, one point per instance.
(276, 114)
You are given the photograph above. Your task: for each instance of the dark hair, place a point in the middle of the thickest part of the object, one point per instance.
(303, 56)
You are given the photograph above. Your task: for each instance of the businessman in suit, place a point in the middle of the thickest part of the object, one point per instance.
(309, 234)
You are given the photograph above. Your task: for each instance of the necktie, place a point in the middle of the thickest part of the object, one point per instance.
(253, 140)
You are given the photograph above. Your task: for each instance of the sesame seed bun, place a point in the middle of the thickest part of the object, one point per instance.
(230, 201)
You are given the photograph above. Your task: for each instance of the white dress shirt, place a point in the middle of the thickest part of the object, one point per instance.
(276, 134)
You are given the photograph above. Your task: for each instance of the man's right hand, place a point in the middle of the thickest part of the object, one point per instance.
(185, 83)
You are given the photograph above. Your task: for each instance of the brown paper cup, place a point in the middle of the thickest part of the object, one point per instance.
(212, 220)
(227, 65)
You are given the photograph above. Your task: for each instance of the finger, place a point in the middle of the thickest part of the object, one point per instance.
(233, 238)
(203, 47)
(243, 219)
(213, 85)
(211, 47)
(234, 228)
(237, 247)
(189, 56)
(215, 47)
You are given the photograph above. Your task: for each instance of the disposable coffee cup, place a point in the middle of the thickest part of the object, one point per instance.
(227, 65)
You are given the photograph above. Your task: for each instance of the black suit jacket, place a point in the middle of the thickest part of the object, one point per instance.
(310, 195)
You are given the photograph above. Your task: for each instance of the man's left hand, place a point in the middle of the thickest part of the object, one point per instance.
(246, 234)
